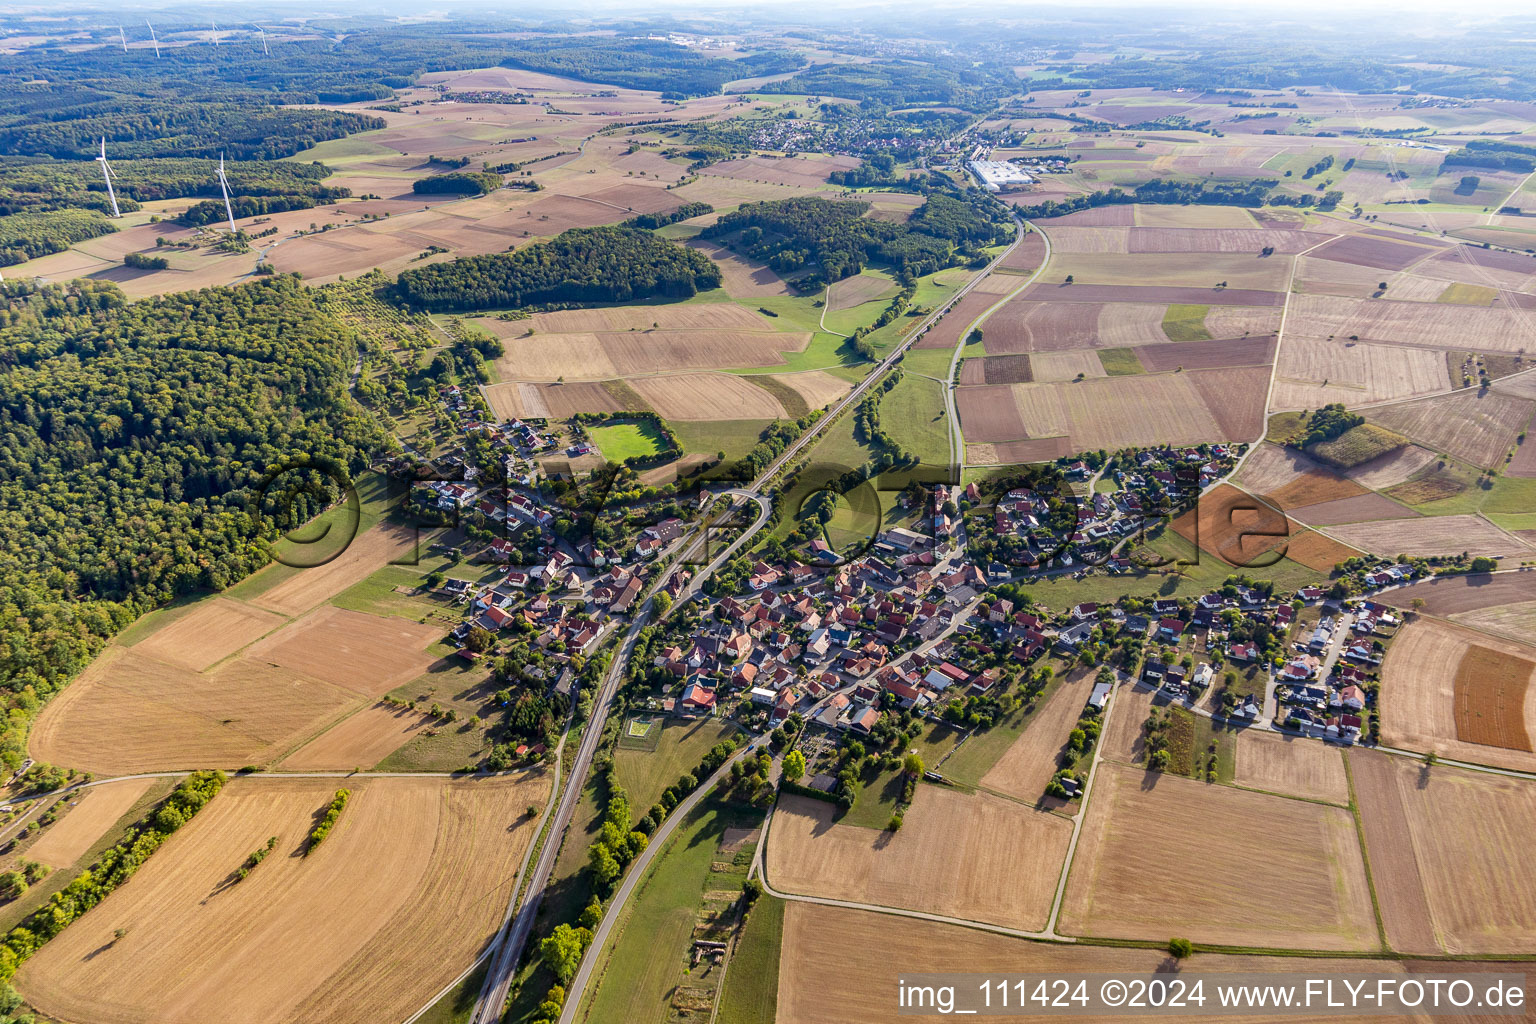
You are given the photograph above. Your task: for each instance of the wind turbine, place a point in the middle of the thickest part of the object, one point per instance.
(215, 32)
(224, 187)
(265, 52)
(122, 38)
(153, 39)
(106, 172)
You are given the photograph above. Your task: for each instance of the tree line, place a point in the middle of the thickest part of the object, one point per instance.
(25, 236)
(28, 183)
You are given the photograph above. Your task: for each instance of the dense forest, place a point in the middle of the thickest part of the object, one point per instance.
(43, 183)
(133, 442)
(25, 236)
(583, 265)
(458, 183)
(833, 239)
(893, 84)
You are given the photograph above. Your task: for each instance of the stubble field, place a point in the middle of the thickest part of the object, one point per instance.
(977, 857)
(1138, 824)
(334, 936)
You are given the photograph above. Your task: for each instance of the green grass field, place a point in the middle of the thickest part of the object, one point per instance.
(734, 437)
(913, 413)
(679, 745)
(1186, 323)
(627, 440)
(751, 992)
(644, 961)
(1121, 362)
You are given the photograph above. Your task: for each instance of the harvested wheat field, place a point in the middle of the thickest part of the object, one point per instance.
(802, 172)
(1516, 621)
(1113, 412)
(1313, 372)
(1026, 256)
(1490, 693)
(997, 370)
(841, 966)
(1291, 766)
(980, 857)
(1430, 535)
(1317, 551)
(1137, 821)
(127, 713)
(1457, 846)
(1392, 468)
(521, 400)
(360, 740)
(1028, 764)
(1064, 366)
(1027, 326)
(1312, 487)
(1396, 253)
(859, 289)
(1428, 703)
(609, 354)
(210, 632)
(1241, 321)
(369, 654)
(816, 388)
(96, 810)
(302, 589)
(1270, 467)
(1203, 270)
(742, 278)
(1153, 215)
(334, 936)
(707, 396)
(1224, 240)
(1477, 428)
(1041, 449)
(1206, 295)
(1435, 325)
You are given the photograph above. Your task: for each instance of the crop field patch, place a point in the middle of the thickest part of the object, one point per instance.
(1435, 325)
(1429, 536)
(210, 632)
(997, 370)
(1206, 355)
(1221, 240)
(1312, 487)
(1136, 820)
(1209, 295)
(1317, 551)
(707, 396)
(982, 857)
(683, 316)
(742, 278)
(127, 714)
(1424, 708)
(1043, 449)
(1094, 217)
(1356, 446)
(859, 289)
(1026, 255)
(1066, 366)
(1202, 270)
(1291, 766)
(1113, 412)
(956, 324)
(362, 740)
(1455, 595)
(1377, 252)
(1455, 845)
(1241, 321)
(989, 413)
(1490, 692)
(603, 356)
(97, 809)
(1392, 468)
(1313, 372)
(1479, 428)
(1204, 218)
(1030, 761)
(369, 654)
(1271, 467)
(816, 388)
(1089, 240)
(329, 937)
(1238, 528)
(1361, 508)
(541, 401)
(367, 552)
(798, 171)
(838, 964)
